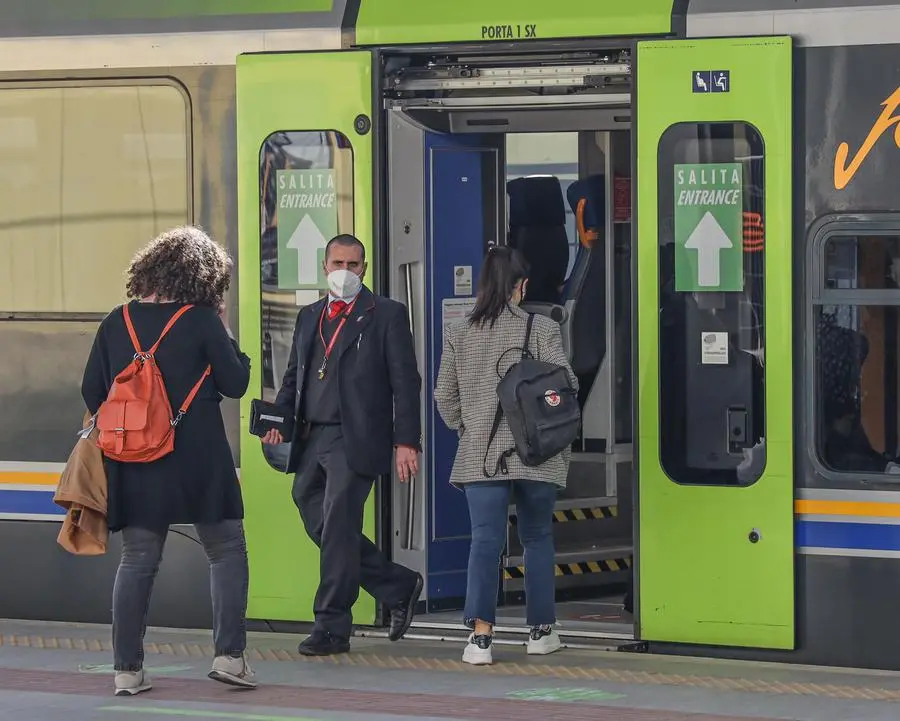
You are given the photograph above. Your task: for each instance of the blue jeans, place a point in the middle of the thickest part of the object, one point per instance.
(142, 551)
(489, 511)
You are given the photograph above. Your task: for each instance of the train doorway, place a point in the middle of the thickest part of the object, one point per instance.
(509, 155)
(430, 159)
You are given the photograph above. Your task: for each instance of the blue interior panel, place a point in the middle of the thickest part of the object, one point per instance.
(455, 236)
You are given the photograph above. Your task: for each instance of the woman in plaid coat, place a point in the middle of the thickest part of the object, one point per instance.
(490, 339)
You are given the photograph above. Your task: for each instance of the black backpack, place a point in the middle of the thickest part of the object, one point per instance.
(541, 407)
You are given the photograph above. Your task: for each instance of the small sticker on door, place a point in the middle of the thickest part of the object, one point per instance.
(454, 310)
(714, 349)
(462, 280)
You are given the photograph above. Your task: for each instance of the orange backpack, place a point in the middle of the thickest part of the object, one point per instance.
(135, 421)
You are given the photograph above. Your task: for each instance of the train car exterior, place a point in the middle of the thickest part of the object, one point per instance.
(784, 545)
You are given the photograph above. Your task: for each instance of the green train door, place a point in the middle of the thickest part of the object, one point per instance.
(304, 153)
(714, 279)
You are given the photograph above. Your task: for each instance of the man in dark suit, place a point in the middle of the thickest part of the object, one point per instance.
(354, 385)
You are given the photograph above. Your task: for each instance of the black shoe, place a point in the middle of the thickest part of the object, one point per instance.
(322, 643)
(402, 615)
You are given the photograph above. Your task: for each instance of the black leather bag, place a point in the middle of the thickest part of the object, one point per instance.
(266, 416)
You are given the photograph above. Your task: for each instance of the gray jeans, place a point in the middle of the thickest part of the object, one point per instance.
(142, 551)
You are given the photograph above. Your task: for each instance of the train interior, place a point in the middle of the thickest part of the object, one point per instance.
(536, 154)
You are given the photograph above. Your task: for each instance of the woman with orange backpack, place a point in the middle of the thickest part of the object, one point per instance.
(154, 380)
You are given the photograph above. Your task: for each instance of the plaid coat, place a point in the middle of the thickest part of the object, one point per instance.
(466, 393)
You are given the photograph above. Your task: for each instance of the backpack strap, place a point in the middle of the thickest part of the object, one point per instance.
(134, 339)
(501, 466)
(137, 347)
(178, 313)
(191, 396)
(528, 325)
(133, 335)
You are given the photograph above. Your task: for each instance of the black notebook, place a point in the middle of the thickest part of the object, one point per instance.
(266, 416)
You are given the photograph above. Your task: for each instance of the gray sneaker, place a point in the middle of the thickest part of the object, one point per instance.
(131, 683)
(234, 671)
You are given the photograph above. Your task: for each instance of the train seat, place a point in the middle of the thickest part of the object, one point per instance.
(583, 301)
(842, 353)
(537, 228)
(585, 291)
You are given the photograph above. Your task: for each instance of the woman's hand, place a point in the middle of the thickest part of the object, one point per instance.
(223, 316)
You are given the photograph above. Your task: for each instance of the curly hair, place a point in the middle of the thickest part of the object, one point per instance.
(183, 265)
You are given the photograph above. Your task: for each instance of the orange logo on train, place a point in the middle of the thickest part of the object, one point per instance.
(844, 173)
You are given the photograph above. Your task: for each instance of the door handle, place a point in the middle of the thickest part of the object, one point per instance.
(409, 525)
(408, 283)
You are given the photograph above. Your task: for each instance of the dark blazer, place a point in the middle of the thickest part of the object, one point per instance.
(197, 482)
(378, 382)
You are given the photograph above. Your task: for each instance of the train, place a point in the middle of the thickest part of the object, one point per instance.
(705, 190)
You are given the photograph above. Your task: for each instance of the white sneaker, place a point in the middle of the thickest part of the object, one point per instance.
(233, 671)
(131, 683)
(543, 640)
(478, 650)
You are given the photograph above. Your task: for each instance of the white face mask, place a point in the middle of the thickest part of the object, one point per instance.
(344, 283)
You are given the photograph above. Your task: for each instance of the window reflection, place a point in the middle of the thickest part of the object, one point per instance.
(712, 340)
(306, 197)
(87, 176)
(856, 347)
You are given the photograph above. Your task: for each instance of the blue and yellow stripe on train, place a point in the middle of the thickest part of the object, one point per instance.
(26, 491)
(829, 522)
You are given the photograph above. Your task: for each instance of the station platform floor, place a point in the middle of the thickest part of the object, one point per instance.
(61, 672)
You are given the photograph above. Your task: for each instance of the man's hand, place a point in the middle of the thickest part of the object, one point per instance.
(273, 437)
(407, 462)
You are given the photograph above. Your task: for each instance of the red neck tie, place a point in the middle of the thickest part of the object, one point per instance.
(336, 308)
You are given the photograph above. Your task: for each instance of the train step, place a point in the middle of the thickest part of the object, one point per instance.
(610, 558)
(600, 640)
(579, 509)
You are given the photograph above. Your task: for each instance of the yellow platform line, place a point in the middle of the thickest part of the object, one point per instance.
(392, 662)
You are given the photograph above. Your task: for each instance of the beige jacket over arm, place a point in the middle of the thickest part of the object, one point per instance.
(466, 393)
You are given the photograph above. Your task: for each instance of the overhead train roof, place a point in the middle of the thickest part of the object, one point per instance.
(412, 22)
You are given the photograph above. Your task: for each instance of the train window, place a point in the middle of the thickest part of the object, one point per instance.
(306, 198)
(711, 303)
(88, 174)
(856, 317)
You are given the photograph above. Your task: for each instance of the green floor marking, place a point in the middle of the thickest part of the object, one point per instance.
(564, 695)
(163, 711)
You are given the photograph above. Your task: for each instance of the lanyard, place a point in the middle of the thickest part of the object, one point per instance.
(330, 346)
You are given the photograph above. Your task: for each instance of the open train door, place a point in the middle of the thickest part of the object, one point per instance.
(714, 292)
(304, 154)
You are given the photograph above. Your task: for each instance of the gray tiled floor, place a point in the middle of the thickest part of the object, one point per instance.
(51, 685)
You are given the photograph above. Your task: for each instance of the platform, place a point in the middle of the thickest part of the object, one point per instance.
(51, 672)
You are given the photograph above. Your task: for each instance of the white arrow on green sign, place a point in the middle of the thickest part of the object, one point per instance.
(709, 227)
(307, 219)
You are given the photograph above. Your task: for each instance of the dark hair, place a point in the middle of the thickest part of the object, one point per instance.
(183, 265)
(503, 267)
(346, 240)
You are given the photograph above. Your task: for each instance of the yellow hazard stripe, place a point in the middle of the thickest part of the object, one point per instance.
(606, 565)
(579, 514)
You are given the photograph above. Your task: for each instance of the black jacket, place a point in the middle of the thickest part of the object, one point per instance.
(378, 382)
(197, 482)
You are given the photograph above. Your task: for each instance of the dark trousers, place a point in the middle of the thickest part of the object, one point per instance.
(142, 551)
(331, 499)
